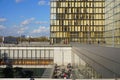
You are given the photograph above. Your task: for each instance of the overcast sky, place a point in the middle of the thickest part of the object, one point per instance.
(24, 17)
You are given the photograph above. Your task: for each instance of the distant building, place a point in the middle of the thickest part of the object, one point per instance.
(10, 40)
(77, 21)
(23, 36)
(112, 22)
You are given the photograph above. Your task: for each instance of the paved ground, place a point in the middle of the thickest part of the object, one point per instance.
(105, 60)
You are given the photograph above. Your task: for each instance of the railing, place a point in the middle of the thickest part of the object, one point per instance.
(32, 44)
(50, 79)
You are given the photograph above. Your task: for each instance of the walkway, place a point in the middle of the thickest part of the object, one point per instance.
(105, 60)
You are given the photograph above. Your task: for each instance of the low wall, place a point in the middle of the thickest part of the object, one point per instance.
(24, 55)
(51, 79)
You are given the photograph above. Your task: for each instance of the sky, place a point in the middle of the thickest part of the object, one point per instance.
(24, 17)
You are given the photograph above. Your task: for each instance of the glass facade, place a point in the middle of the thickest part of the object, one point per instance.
(77, 21)
(112, 22)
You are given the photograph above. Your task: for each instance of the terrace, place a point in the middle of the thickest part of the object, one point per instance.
(88, 61)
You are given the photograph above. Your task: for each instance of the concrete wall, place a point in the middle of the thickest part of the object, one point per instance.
(76, 60)
(60, 55)
(51, 79)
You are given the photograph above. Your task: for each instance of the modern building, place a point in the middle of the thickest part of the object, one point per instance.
(77, 21)
(88, 61)
(112, 22)
(32, 60)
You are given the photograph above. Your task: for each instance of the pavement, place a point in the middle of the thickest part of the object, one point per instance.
(105, 60)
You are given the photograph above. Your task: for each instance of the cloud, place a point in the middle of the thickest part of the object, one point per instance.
(22, 16)
(22, 30)
(27, 21)
(41, 22)
(19, 1)
(3, 19)
(2, 27)
(41, 29)
(48, 3)
(15, 30)
(43, 2)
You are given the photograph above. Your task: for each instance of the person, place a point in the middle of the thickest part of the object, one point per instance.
(98, 42)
